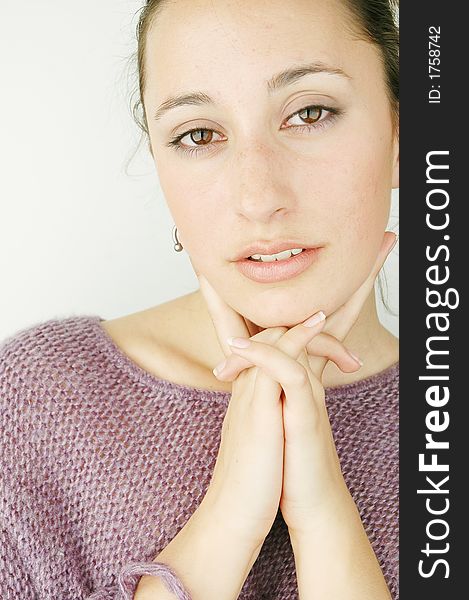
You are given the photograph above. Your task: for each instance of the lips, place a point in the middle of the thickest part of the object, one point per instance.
(278, 270)
(273, 247)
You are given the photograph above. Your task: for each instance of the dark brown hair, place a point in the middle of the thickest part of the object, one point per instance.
(374, 21)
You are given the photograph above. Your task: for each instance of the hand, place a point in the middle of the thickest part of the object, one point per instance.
(244, 492)
(312, 477)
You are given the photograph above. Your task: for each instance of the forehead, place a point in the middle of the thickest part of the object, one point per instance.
(224, 44)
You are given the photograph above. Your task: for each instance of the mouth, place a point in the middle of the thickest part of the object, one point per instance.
(284, 255)
(268, 249)
(279, 267)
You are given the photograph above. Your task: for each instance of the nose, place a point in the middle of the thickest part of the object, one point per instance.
(261, 188)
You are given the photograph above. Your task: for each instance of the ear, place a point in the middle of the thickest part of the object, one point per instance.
(395, 161)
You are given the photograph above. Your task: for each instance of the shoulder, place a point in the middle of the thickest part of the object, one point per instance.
(44, 340)
(170, 342)
(36, 358)
(145, 339)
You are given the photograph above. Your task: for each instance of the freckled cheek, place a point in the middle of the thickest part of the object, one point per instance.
(356, 196)
(350, 209)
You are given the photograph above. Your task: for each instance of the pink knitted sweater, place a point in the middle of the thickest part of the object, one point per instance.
(102, 464)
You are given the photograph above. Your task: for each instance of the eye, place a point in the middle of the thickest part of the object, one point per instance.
(200, 136)
(311, 118)
(309, 115)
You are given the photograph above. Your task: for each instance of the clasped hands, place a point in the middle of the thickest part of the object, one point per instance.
(295, 359)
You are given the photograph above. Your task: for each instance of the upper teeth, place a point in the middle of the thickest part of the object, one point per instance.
(279, 256)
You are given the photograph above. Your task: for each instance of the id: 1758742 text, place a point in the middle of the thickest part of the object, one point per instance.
(434, 94)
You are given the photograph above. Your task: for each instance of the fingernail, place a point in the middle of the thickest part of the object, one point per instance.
(238, 342)
(315, 319)
(219, 368)
(359, 361)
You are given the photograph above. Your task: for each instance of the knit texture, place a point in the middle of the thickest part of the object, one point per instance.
(102, 464)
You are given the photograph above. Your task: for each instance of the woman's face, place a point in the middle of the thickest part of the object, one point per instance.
(262, 166)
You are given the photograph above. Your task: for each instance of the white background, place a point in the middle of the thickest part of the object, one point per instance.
(78, 233)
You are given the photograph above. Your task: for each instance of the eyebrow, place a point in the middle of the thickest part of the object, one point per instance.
(278, 81)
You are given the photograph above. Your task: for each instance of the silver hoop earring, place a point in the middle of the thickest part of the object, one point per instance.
(177, 243)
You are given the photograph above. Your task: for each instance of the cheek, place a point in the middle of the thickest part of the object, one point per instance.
(358, 192)
(192, 207)
(352, 212)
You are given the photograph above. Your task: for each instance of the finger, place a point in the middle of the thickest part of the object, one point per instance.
(288, 373)
(292, 341)
(320, 349)
(230, 368)
(342, 320)
(329, 347)
(226, 320)
(266, 389)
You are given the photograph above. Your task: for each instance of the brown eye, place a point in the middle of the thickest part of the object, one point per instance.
(202, 135)
(310, 114)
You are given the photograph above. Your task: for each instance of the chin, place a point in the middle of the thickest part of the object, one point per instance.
(281, 317)
(292, 310)
(265, 324)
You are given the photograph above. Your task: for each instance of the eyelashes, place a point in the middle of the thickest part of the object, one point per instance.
(321, 123)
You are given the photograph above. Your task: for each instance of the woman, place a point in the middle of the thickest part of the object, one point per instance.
(274, 127)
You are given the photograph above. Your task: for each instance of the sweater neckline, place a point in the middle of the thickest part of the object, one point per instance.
(106, 344)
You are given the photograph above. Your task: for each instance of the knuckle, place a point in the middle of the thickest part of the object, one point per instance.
(287, 345)
(270, 335)
(300, 376)
(332, 345)
(280, 329)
